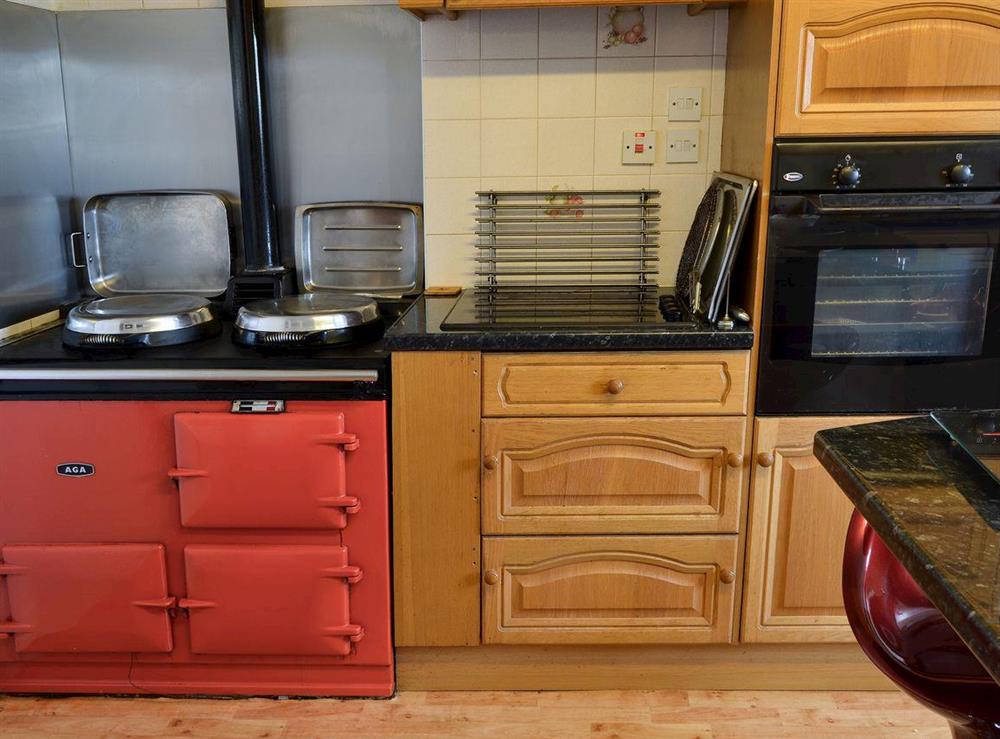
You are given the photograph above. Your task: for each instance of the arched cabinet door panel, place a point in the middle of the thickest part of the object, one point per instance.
(608, 590)
(874, 66)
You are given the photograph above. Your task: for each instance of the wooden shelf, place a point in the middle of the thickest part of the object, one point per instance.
(450, 8)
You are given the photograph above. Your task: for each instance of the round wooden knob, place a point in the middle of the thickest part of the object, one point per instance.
(765, 459)
(492, 577)
(734, 459)
(491, 463)
(615, 387)
(727, 576)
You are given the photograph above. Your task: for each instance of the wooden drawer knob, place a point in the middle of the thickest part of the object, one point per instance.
(615, 387)
(734, 459)
(491, 463)
(492, 577)
(765, 459)
(728, 577)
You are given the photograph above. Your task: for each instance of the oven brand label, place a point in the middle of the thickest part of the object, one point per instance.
(75, 469)
(792, 176)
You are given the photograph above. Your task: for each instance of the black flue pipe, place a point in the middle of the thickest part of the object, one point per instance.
(248, 58)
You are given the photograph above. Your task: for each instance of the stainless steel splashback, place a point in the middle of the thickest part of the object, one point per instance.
(35, 182)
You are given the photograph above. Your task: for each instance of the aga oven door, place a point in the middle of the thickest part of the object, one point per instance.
(881, 303)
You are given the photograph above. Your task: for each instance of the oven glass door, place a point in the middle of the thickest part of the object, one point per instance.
(871, 300)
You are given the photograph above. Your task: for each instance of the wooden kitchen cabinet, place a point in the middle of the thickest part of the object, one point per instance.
(608, 589)
(615, 384)
(877, 67)
(798, 527)
(613, 475)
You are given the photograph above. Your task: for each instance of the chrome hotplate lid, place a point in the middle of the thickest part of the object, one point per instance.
(307, 313)
(139, 314)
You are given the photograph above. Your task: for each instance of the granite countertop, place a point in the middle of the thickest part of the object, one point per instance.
(420, 330)
(936, 509)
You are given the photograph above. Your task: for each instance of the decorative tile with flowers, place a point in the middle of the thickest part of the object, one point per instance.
(626, 25)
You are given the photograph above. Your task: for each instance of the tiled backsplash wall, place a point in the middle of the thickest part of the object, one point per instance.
(532, 99)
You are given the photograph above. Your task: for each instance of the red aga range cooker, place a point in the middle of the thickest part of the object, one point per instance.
(167, 526)
(181, 547)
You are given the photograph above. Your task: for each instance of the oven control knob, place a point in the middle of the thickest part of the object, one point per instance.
(959, 173)
(847, 175)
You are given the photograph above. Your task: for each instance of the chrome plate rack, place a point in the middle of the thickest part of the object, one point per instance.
(567, 249)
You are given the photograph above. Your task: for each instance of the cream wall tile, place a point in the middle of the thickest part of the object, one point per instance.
(510, 34)
(714, 144)
(168, 4)
(636, 181)
(211, 3)
(679, 198)
(510, 88)
(510, 148)
(114, 4)
(442, 39)
(680, 34)
(451, 148)
(566, 183)
(608, 145)
(721, 32)
(508, 183)
(604, 28)
(565, 146)
(681, 71)
(566, 88)
(662, 126)
(450, 89)
(624, 87)
(565, 33)
(449, 259)
(449, 205)
(718, 85)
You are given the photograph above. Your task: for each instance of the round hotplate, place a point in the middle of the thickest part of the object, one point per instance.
(150, 320)
(314, 318)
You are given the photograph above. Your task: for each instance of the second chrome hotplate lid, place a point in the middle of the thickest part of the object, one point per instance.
(307, 313)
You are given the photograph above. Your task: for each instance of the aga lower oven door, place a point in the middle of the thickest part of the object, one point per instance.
(881, 303)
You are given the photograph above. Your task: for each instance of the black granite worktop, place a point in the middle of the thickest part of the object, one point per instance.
(936, 509)
(420, 330)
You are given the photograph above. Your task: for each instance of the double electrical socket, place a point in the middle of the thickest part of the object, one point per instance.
(639, 146)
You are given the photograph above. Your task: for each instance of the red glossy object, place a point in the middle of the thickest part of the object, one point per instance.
(267, 576)
(909, 640)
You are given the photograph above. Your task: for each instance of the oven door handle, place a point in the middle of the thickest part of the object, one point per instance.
(847, 210)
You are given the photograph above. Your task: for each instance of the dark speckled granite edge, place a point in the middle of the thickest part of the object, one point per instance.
(566, 341)
(419, 329)
(960, 613)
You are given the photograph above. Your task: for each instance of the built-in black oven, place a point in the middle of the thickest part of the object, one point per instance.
(882, 282)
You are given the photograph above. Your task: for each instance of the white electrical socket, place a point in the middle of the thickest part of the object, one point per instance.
(638, 147)
(683, 145)
(684, 104)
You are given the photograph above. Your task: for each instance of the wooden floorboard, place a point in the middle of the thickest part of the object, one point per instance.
(546, 715)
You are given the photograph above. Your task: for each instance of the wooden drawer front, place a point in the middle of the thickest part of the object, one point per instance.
(880, 67)
(606, 384)
(608, 590)
(612, 475)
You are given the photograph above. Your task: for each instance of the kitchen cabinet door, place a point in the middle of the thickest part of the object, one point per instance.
(878, 67)
(608, 589)
(612, 475)
(798, 527)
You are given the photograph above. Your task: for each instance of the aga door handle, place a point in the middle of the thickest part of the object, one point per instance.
(349, 503)
(181, 473)
(350, 442)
